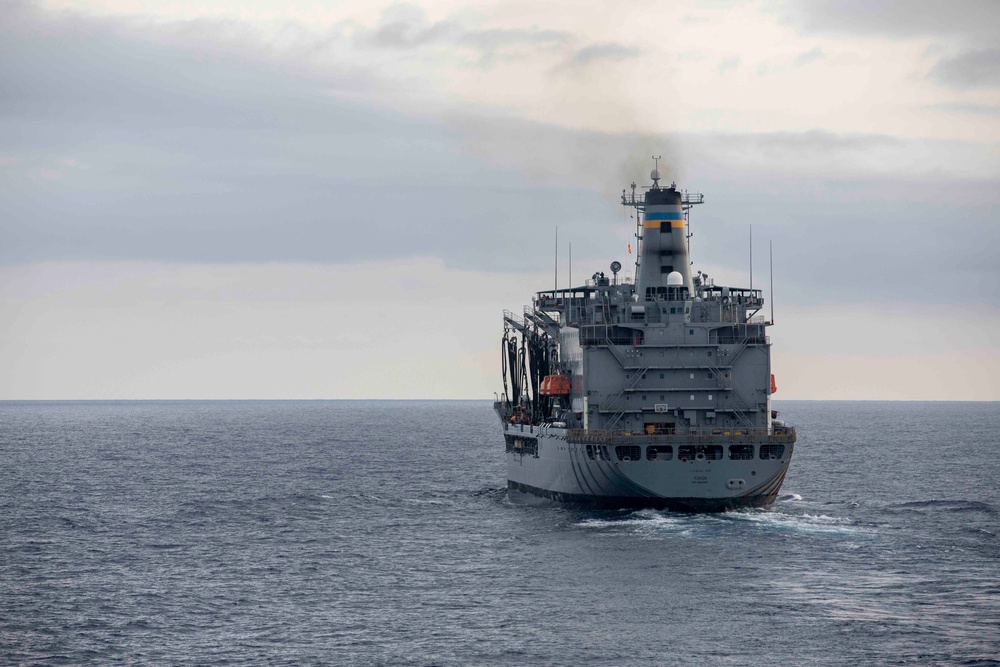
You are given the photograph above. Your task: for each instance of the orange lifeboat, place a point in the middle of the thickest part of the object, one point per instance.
(774, 387)
(554, 385)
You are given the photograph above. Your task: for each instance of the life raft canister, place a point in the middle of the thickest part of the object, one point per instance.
(554, 385)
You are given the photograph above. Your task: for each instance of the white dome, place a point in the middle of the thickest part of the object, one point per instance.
(675, 279)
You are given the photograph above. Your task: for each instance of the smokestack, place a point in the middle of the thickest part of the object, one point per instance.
(664, 246)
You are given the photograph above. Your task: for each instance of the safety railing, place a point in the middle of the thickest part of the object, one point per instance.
(716, 435)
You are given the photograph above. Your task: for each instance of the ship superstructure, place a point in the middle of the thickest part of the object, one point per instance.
(652, 393)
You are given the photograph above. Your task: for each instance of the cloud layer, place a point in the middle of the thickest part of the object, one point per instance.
(863, 140)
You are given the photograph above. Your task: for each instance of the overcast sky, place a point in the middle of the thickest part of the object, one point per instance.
(262, 199)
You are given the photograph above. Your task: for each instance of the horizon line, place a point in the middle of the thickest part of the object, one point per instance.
(469, 400)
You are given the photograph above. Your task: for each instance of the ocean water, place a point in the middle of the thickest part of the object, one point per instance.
(379, 533)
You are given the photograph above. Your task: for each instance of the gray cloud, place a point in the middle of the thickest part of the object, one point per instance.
(189, 158)
(974, 20)
(810, 56)
(730, 63)
(848, 239)
(783, 147)
(85, 72)
(691, 19)
(142, 143)
(406, 27)
(967, 108)
(498, 38)
(602, 52)
(972, 69)
(767, 68)
(971, 26)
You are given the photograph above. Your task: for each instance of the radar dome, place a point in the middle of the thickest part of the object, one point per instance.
(675, 279)
(655, 174)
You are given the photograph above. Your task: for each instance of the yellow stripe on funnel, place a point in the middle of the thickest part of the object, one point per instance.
(655, 224)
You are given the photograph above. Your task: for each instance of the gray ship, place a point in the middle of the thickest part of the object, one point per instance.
(653, 393)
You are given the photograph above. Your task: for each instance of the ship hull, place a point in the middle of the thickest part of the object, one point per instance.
(548, 465)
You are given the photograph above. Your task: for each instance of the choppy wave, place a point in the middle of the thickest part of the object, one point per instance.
(807, 523)
(947, 505)
(654, 523)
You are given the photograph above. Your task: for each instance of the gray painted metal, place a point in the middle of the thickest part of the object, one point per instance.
(651, 364)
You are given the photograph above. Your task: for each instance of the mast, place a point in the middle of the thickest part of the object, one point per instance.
(770, 259)
(555, 283)
(570, 265)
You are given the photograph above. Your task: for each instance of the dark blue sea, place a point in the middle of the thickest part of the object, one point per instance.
(379, 533)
